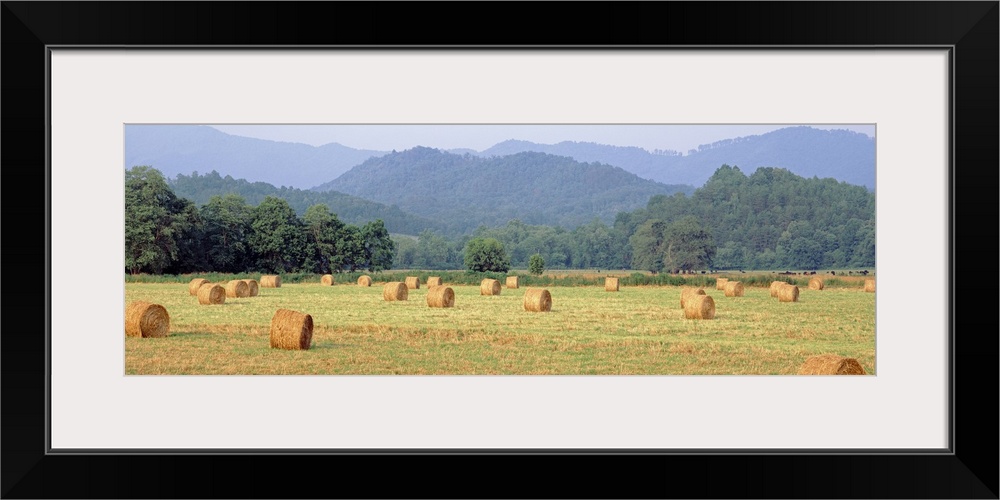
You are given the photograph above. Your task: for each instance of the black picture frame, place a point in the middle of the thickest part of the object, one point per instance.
(969, 28)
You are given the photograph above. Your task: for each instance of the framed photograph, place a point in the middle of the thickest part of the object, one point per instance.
(927, 88)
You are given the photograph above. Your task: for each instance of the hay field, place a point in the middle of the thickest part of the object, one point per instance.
(636, 331)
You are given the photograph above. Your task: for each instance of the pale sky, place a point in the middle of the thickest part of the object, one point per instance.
(479, 137)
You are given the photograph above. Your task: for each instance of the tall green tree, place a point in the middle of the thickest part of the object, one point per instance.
(156, 221)
(687, 246)
(226, 222)
(536, 265)
(277, 238)
(486, 254)
(323, 229)
(378, 246)
(647, 246)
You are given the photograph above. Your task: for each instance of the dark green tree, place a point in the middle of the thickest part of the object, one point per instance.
(323, 229)
(486, 254)
(226, 227)
(156, 221)
(277, 238)
(687, 246)
(647, 246)
(378, 246)
(536, 265)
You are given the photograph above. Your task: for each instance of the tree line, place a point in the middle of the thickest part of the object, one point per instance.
(168, 234)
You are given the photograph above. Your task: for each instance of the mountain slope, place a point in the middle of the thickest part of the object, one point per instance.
(182, 149)
(465, 191)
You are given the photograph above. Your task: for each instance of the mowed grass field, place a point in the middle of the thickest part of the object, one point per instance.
(635, 331)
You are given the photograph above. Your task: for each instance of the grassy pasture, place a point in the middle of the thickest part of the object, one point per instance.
(636, 331)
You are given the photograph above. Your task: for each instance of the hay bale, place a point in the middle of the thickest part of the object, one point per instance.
(788, 293)
(145, 319)
(237, 289)
(720, 283)
(489, 287)
(327, 280)
(537, 300)
(831, 364)
(440, 296)
(252, 286)
(291, 330)
(610, 284)
(270, 281)
(775, 285)
(395, 290)
(433, 281)
(815, 284)
(870, 285)
(513, 281)
(195, 285)
(699, 307)
(211, 294)
(734, 289)
(365, 281)
(412, 282)
(689, 291)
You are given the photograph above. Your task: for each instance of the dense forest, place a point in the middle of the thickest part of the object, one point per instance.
(772, 219)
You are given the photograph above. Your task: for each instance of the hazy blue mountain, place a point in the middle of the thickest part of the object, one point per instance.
(839, 154)
(351, 209)
(465, 191)
(174, 149)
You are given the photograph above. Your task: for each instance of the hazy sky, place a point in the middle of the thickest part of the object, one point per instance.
(479, 137)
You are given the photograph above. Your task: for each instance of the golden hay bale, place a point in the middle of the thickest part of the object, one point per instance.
(327, 280)
(537, 300)
(433, 281)
(610, 284)
(788, 293)
(775, 285)
(815, 284)
(291, 330)
(395, 290)
(720, 283)
(195, 285)
(870, 285)
(365, 281)
(252, 287)
(237, 289)
(412, 282)
(211, 294)
(689, 291)
(513, 281)
(831, 364)
(734, 289)
(145, 319)
(489, 287)
(440, 296)
(699, 307)
(270, 281)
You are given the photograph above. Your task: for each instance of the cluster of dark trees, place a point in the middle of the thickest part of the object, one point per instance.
(165, 233)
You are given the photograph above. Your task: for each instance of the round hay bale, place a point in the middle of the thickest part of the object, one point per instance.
(433, 281)
(537, 300)
(734, 289)
(610, 284)
(689, 291)
(720, 283)
(870, 285)
(270, 281)
(211, 294)
(252, 287)
(365, 281)
(489, 287)
(513, 281)
(699, 307)
(412, 282)
(291, 330)
(237, 289)
(440, 296)
(775, 285)
(815, 284)
(327, 280)
(831, 364)
(395, 290)
(788, 293)
(195, 285)
(145, 319)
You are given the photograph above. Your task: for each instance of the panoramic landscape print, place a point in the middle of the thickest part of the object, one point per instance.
(499, 249)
